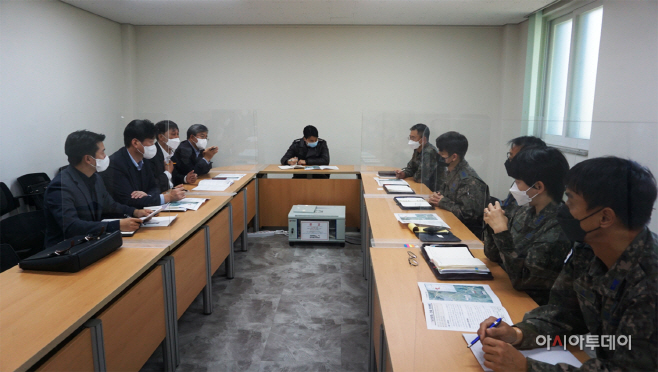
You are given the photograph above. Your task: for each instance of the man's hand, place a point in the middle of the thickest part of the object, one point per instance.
(399, 174)
(138, 194)
(501, 356)
(435, 198)
(210, 152)
(181, 186)
(292, 161)
(191, 177)
(301, 162)
(169, 167)
(129, 224)
(503, 331)
(142, 212)
(495, 217)
(174, 195)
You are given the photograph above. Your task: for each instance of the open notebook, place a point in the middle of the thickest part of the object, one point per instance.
(455, 262)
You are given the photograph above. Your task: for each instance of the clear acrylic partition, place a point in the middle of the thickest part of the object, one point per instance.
(87, 204)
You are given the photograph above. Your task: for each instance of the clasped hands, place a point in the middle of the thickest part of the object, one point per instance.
(494, 216)
(295, 161)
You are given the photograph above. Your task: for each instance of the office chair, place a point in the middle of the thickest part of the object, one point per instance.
(8, 258)
(33, 186)
(24, 232)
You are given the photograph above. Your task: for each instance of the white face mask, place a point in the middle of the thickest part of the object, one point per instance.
(521, 197)
(413, 144)
(149, 151)
(173, 143)
(201, 143)
(102, 164)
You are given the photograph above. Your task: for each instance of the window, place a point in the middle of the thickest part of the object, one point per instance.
(566, 60)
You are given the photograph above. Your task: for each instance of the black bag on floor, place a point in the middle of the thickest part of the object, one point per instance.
(73, 255)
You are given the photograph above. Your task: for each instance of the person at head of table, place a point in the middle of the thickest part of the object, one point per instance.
(517, 144)
(308, 150)
(463, 193)
(162, 163)
(129, 179)
(425, 165)
(609, 284)
(530, 244)
(76, 200)
(193, 154)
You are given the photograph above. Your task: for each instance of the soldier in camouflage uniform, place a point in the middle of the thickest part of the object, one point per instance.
(463, 193)
(425, 165)
(530, 245)
(609, 284)
(516, 145)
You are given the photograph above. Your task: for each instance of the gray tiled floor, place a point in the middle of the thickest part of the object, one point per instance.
(288, 309)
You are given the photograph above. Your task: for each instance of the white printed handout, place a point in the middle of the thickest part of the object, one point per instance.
(160, 221)
(213, 185)
(553, 356)
(412, 202)
(389, 181)
(460, 307)
(184, 205)
(228, 176)
(424, 219)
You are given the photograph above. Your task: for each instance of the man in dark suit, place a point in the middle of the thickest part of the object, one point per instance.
(76, 200)
(162, 164)
(128, 179)
(308, 150)
(194, 154)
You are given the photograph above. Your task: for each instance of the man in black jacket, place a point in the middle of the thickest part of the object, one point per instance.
(194, 154)
(129, 180)
(163, 162)
(309, 150)
(76, 200)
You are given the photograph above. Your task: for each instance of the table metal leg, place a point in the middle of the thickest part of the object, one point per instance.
(230, 260)
(245, 234)
(97, 344)
(207, 290)
(170, 351)
(256, 217)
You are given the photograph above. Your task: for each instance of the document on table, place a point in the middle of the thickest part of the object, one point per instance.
(285, 167)
(328, 167)
(425, 219)
(388, 181)
(229, 177)
(460, 307)
(213, 185)
(553, 356)
(160, 221)
(412, 202)
(183, 205)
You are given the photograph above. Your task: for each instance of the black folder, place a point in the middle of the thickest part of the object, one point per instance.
(452, 276)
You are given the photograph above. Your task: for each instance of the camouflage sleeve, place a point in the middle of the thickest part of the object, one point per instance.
(411, 168)
(468, 205)
(538, 264)
(638, 322)
(490, 248)
(428, 171)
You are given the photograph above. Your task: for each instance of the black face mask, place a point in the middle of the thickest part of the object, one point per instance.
(508, 164)
(571, 226)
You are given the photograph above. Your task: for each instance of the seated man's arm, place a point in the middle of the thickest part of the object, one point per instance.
(323, 159)
(490, 249)
(184, 163)
(469, 202)
(411, 169)
(288, 155)
(538, 264)
(202, 165)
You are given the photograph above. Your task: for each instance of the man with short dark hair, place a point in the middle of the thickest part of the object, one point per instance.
(463, 193)
(517, 144)
(530, 245)
(609, 284)
(308, 150)
(76, 200)
(128, 179)
(193, 154)
(162, 163)
(425, 165)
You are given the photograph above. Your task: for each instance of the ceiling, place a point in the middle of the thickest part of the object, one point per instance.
(313, 12)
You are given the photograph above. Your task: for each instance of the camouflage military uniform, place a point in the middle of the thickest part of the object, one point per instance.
(426, 164)
(587, 297)
(466, 196)
(532, 250)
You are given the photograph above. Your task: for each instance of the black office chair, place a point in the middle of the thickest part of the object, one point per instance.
(34, 186)
(8, 258)
(24, 232)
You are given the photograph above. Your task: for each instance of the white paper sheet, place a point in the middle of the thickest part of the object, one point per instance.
(390, 181)
(553, 356)
(460, 307)
(184, 205)
(160, 221)
(229, 176)
(413, 202)
(399, 189)
(328, 167)
(213, 185)
(424, 219)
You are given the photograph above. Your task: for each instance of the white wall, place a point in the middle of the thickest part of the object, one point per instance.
(626, 101)
(61, 70)
(330, 76)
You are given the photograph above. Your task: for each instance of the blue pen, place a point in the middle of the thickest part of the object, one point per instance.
(494, 324)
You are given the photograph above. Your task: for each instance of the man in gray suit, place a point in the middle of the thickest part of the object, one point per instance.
(77, 201)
